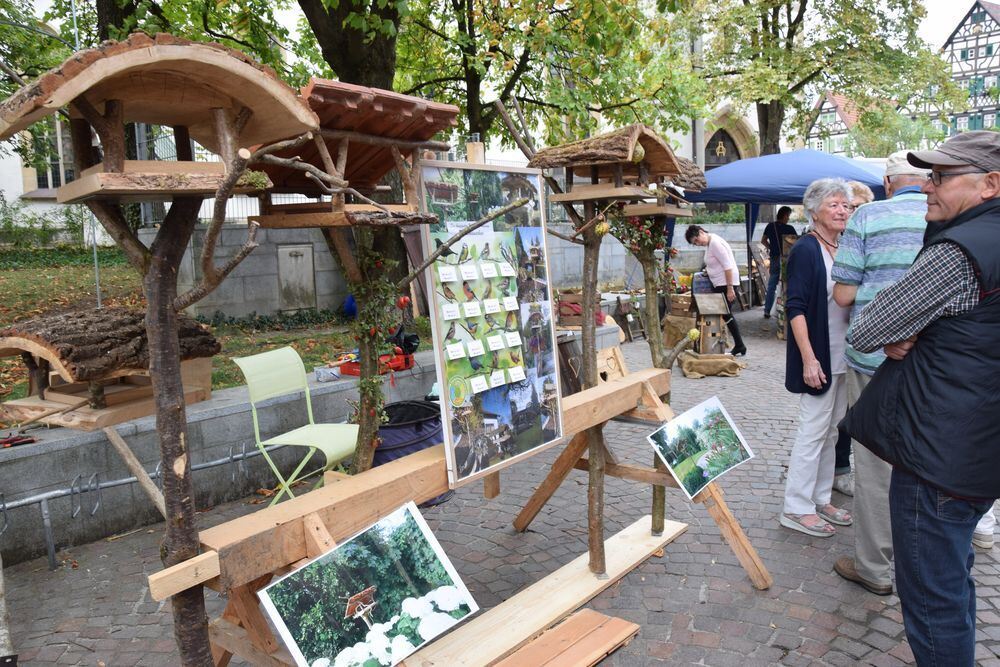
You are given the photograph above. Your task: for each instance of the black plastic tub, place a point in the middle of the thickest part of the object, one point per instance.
(412, 426)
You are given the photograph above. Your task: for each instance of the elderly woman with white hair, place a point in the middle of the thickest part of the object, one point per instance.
(814, 363)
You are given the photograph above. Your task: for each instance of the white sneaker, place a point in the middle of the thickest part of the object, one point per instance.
(844, 483)
(982, 540)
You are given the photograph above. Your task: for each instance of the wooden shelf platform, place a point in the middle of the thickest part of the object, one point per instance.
(603, 191)
(582, 640)
(655, 209)
(370, 217)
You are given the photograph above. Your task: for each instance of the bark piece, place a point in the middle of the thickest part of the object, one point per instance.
(616, 148)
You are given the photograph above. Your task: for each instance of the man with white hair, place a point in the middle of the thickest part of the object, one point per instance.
(881, 241)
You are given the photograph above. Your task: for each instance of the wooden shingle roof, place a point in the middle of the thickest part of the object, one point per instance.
(605, 151)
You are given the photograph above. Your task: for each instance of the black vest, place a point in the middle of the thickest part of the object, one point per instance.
(936, 413)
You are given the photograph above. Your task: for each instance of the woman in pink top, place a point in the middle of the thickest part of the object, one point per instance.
(722, 271)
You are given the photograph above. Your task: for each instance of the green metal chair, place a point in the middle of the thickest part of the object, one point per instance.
(278, 373)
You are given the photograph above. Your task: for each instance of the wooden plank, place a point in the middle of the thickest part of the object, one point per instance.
(711, 304)
(325, 207)
(317, 538)
(135, 467)
(234, 639)
(162, 167)
(641, 210)
(491, 485)
(246, 606)
(273, 537)
(585, 638)
(606, 401)
(184, 575)
(114, 394)
(632, 473)
(711, 497)
(602, 191)
(301, 220)
(540, 605)
(651, 407)
(134, 187)
(560, 469)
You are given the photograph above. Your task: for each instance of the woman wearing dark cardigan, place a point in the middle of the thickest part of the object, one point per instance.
(814, 362)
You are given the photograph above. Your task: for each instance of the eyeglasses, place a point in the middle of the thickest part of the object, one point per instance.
(936, 177)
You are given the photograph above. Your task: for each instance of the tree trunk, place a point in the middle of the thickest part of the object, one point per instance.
(181, 540)
(355, 55)
(770, 118)
(595, 435)
(6, 646)
(654, 333)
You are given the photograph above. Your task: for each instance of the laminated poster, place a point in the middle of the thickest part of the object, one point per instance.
(372, 600)
(700, 445)
(500, 398)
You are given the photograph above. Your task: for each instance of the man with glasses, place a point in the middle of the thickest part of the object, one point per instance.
(931, 410)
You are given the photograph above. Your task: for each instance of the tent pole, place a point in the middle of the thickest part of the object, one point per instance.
(747, 222)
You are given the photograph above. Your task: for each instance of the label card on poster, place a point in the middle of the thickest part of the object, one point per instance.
(495, 342)
(513, 338)
(491, 306)
(476, 348)
(497, 379)
(449, 311)
(472, 309)
(447, 274)
(516, 374)
(478, 384)
(455, 351)
(489, 269)
(469, 272)
(510, 303)
(506, 269)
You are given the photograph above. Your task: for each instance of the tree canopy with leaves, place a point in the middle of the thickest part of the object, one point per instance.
(773, 53)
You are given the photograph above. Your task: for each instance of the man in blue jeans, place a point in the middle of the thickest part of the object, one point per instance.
(771, 238)
(931, 408)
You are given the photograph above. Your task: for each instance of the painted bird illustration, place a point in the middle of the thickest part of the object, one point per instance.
(448, 252)
(505, 252)
(451, 332)
(475, 363)
(469, 294)
(489, 291)
(496, 359)
(448, 294)
(491, 321)
(514, 356)
(464, 254)
(485, 254)
(511, 323)
(471, 327)
(505, 285)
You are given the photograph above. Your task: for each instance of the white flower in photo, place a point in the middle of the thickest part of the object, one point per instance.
(401, 647)
(378, 644)
(321, 662)
(446, 598)
(417, 607)
(353, 655)
(433, 625)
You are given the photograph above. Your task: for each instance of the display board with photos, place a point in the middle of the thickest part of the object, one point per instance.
(700, 445)
(492, 318)
(371, 600)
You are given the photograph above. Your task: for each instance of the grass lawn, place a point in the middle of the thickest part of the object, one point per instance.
(46, 282)
(688, 464)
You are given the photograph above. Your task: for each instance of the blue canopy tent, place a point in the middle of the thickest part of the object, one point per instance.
(780, 179)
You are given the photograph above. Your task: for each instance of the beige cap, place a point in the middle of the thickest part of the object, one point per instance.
(897, 165)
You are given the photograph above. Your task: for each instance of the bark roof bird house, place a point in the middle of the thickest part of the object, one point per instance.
(213, 94)
(364, 134)
(101, 357)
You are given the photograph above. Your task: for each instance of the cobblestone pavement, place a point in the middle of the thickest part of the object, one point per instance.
(695, 605)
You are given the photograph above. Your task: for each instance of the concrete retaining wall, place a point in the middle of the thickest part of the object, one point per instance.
(216, 428)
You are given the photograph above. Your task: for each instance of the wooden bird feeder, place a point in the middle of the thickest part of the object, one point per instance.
(90, 369)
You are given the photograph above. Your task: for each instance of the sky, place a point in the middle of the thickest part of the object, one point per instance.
(942, 17)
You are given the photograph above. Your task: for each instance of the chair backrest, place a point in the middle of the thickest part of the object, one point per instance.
(274, 373)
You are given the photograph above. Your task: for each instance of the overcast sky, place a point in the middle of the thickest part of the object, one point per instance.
(942, 17)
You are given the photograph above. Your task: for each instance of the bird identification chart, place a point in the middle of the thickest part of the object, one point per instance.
(492, 319)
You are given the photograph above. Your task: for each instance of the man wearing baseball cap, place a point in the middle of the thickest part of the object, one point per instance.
(880, 243)
(931, 409)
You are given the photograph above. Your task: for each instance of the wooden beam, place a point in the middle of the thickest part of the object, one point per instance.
(234, 639)
(632, 473)
(537, 607)
(317, 538)
(271, 538)
(711, 497)
(651, 407)
(591, 407)
(560, 469)
(491, 485)
(180, 577)
(135, 467)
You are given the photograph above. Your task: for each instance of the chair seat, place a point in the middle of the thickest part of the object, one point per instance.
(336, 441)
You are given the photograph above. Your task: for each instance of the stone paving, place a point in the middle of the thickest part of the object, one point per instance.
(695, 605)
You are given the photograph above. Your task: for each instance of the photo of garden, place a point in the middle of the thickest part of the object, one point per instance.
(700, 445)
(371, 601)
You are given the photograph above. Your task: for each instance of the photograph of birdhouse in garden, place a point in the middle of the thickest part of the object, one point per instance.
(700, 445)
(491, 319)
(372, 600)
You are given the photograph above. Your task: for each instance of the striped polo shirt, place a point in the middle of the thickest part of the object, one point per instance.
(880, 243)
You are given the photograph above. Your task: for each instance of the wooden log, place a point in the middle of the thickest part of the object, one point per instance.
(378, 140)
(135, 467)
(711, 497)
(659, 512)
(557, 473)
(503, 629)
(99, 344)
(595, 501)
